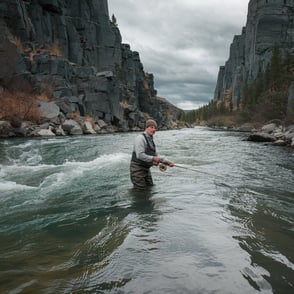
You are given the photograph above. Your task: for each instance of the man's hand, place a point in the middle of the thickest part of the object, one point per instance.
(156, 160)
(170, 163)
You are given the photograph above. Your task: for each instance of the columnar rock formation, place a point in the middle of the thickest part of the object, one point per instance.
(71, 51)
(269, 22)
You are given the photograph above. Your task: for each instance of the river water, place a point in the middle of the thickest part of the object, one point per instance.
(71, 223)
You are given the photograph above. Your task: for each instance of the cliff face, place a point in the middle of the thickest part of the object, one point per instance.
(71, 51)
(269, 22)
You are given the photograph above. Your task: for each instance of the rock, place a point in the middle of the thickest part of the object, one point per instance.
(6, 130)
(15, 122)
(101, 124)
(97, 129)
(289, 133)
(71, 127)
(261, 137)
(290, 129)
(280, 143)
(76, 131)
(290, 106)
(21, 132)
(269, 128)
(59, 131)
(44, 133)
(48, 110)
(106, 74)
(87, 128)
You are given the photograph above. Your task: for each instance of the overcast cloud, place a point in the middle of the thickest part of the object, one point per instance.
(182, 42)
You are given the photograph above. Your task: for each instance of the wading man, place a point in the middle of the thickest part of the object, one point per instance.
(145, 156)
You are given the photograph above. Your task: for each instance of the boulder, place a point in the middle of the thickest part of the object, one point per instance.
(59, 131)
(87, 128)
(280, 143)
(71, 127)
(101, 124)
(6, 130)
(269, 128)
(76, 131)
(45, 133)
(261, 137)
(48, 110)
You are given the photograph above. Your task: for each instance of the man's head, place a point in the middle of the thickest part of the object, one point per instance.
(151, 127)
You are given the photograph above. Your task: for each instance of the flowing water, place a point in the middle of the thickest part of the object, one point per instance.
(70, 222)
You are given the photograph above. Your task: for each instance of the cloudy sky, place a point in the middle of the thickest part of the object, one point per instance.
(182, 42)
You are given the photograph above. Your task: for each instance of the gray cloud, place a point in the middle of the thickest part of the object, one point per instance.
(182, 42)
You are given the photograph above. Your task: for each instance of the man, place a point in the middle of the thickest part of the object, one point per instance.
(145, 156)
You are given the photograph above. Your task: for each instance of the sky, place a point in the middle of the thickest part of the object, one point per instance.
(182, 42)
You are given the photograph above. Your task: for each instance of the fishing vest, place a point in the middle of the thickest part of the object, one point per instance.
(150, 150)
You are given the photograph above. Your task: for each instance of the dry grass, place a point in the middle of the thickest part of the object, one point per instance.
(53, 50)
(19, 105)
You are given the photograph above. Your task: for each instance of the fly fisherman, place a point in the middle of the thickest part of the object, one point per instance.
(145, 156)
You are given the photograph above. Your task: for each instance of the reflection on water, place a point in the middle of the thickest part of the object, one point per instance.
(267, 235)
(70, 223)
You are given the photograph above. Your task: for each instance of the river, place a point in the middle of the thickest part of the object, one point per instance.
(221, 223)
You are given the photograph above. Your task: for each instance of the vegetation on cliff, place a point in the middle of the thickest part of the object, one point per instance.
(263, 100)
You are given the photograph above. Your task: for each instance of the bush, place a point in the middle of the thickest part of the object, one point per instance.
(18, 106)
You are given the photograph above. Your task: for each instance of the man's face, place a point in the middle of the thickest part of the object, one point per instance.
(151, 130)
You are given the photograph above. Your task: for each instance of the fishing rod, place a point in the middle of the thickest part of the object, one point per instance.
(163, 167)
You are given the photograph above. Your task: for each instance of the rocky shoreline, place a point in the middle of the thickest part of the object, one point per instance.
(56, 121)
(274, 133)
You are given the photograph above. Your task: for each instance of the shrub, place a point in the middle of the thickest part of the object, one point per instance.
(18, 106)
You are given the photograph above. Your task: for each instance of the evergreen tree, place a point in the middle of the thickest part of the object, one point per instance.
(113, 20)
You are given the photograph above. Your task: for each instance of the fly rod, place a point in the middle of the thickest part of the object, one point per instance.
(163, 167)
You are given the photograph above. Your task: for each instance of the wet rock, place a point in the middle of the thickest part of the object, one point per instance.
(280, 143)
(6, 130)
(261, 137)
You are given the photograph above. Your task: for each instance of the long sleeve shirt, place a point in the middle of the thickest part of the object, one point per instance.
(140, 146)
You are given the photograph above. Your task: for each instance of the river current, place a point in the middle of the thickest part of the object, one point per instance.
(220, 222)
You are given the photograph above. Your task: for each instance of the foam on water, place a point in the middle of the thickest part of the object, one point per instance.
(8, 186)
(56, 175)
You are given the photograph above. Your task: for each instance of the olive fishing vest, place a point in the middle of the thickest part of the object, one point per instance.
(150, 150)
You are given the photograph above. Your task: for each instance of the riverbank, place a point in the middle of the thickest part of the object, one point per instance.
(274, 132)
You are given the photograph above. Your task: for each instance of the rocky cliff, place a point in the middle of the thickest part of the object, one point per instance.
(269, 23)
(72, 53)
